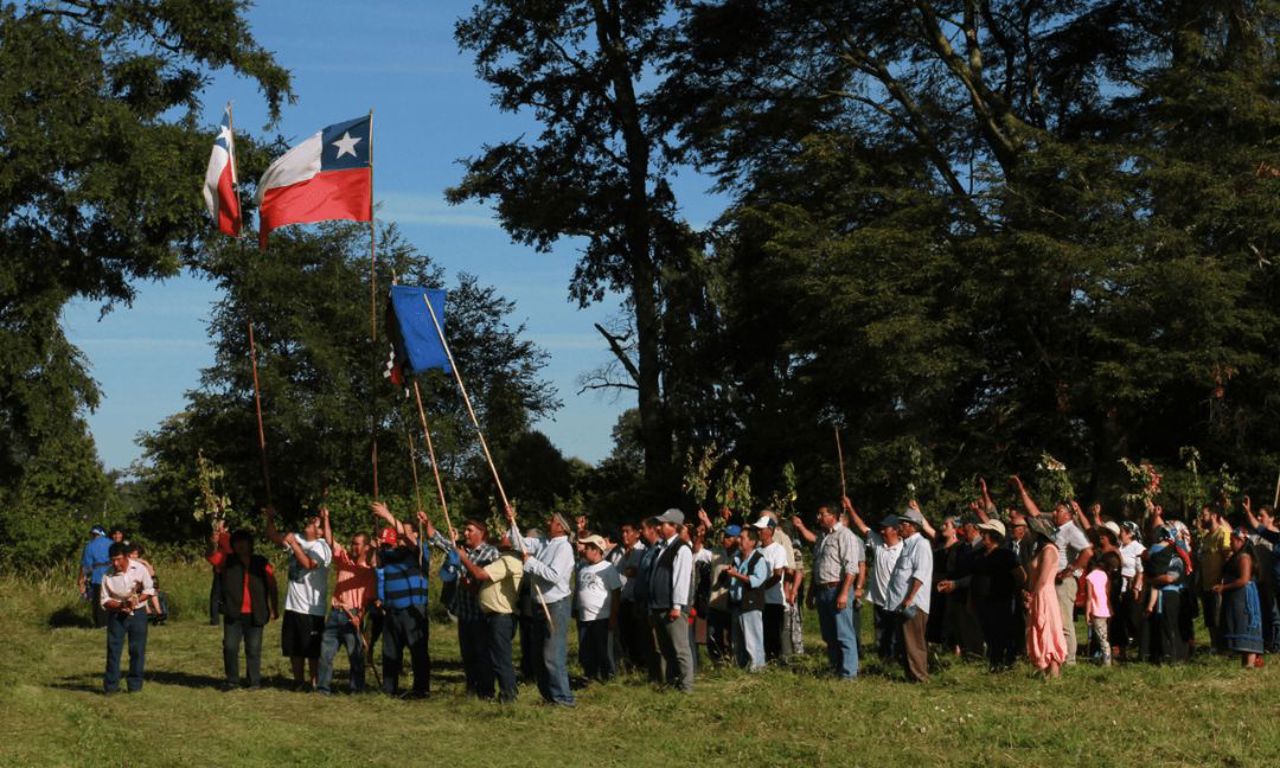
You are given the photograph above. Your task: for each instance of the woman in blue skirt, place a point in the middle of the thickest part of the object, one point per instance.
(1241, 610)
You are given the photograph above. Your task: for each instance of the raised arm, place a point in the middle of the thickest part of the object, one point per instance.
(1028, 503)
(328, 532)
(272, 532)
(854, 517)
(403, 529)
(1079, 516)
(925, 528)
(802, 530)
(1247, 505)
(988, 504)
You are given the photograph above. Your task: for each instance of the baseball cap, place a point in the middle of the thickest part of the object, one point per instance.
(388, 536)
(890, 521)
(673, 516)
(593, 540)
(764, 522)
(98, 530)
(732, 530)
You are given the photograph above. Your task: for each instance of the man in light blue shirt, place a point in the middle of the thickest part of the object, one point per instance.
(908, 593)
(94, 563)
(548, 564)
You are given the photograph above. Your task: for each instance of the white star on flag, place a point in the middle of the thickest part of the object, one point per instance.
(347, 145)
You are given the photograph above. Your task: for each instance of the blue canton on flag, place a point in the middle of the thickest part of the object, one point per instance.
(345, 145)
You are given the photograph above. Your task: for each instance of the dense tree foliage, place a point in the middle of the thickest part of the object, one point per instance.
(99, 145)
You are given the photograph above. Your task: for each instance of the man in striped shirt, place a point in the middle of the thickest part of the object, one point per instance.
(402, 588)
(473, 630)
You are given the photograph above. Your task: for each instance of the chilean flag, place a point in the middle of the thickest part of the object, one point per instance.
(328, 176)
(220, 180)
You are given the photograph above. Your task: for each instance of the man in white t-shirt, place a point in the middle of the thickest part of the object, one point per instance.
(307, 596)
(774, 598)
(599, 597)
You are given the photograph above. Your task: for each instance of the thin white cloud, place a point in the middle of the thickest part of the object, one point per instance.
(425, 209)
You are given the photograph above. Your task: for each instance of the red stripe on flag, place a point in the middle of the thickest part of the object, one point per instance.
(228, 204)
(346, 194)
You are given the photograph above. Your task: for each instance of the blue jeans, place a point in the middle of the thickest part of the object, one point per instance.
(502, 628)
(552, 646)
(748, 638)
(339, 631)
(120, 626)
(838, 632)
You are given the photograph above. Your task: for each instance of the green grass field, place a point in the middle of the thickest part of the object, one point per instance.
(1207, 713)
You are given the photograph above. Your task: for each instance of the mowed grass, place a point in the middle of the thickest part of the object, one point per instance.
(1207, 713)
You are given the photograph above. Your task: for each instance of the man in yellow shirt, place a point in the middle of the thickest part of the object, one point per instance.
(497, 585)
(1214, 547)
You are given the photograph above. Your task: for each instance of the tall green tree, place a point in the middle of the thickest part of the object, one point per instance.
(598, 171)
(99, 142)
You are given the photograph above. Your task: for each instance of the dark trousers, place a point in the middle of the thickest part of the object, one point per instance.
(594, 653)
(720, 635)
(1211, 608)
(886, 626)
(215, 600)
(633, 630)
(502, 628)
(996, 618)
(773, 616)
(233, 631)
(530, 658)
(95, 606)
(406, 629)
(473, 639)
(122, 627)
(1162, 632)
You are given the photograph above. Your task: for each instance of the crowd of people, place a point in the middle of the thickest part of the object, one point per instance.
(663, 595)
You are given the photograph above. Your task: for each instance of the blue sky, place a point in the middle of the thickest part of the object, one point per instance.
(429, 111)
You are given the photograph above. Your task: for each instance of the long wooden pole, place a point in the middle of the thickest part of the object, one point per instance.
(253, 345)
(484, 444)
(1276, 502)
(844, 490)
(373, 303)
(257, 404)
(431, 454)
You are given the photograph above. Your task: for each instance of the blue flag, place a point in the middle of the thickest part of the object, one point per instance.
(415, 344)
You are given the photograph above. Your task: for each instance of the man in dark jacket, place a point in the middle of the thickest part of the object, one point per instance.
(249, 599)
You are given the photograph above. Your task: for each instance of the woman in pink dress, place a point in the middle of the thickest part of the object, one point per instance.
(1046, 647)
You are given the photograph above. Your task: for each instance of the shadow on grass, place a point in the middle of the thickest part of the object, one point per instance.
(69, 616)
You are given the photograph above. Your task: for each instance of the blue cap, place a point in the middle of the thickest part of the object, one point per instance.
(732, 530)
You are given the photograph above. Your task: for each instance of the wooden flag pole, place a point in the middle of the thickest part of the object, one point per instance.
(431, 454)
(1276, 502)
(373, 301)
(417, 490)
(257, 404)
(844, 491)
(484, 444)
(253, 345)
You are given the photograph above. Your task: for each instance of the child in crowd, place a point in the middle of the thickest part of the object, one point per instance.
(1098, 606)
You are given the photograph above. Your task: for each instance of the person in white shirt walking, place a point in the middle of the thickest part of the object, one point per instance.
(126, 589)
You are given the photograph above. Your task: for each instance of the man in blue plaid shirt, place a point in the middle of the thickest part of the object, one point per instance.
(473, 630)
